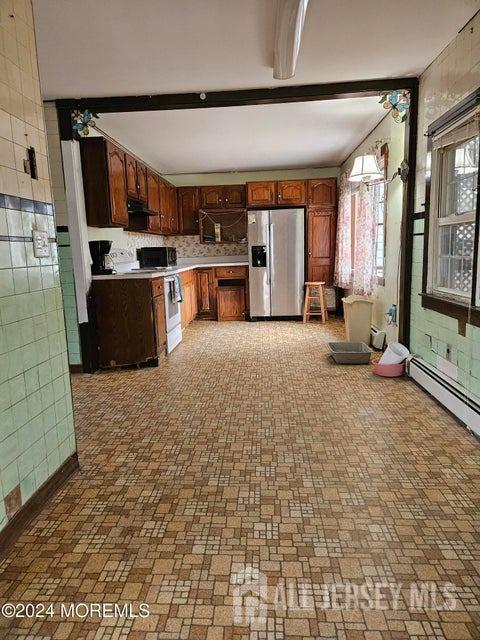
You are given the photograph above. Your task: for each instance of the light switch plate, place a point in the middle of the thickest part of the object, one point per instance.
(41, 247)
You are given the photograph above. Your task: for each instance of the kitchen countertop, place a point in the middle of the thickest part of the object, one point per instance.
(170, 272)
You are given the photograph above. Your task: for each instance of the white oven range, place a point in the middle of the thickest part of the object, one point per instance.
(173, 319)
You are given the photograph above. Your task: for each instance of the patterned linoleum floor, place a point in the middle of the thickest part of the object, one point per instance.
(250, 488)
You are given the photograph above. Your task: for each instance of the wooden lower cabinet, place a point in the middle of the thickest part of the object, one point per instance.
(206, 294)
(188, 308)
(130, 319)
(231, 302)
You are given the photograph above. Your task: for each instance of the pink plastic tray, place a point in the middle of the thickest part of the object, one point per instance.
(389, 370)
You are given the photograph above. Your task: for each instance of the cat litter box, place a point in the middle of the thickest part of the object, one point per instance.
(350, 352)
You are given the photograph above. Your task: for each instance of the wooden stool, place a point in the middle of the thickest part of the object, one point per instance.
(314, 291)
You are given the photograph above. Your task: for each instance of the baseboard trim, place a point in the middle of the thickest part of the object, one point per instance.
(458, 401)
(75, 368)
(36, 503)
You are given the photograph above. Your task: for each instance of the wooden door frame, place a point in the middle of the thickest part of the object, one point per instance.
(277, 95)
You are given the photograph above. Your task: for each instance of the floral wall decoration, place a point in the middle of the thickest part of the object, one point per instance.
(82, 122)
(398, 102)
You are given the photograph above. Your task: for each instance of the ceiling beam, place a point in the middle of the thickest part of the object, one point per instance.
(238, 98)
(289, 21)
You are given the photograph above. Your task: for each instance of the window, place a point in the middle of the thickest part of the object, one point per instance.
(454, 179)
(379, 199)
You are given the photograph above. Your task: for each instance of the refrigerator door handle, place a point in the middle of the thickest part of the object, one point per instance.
(271, 271)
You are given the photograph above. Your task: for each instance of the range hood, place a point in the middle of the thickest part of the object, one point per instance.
(136, 208)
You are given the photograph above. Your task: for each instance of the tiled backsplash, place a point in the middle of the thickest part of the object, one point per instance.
(190, 246)
(36, 419)
(187, 246)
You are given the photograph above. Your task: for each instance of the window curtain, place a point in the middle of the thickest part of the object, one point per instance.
(357, 271)
(343, 254)
(365, 232)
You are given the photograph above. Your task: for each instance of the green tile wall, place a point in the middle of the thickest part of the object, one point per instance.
(431, 332)
(67, 283)
(36, 419)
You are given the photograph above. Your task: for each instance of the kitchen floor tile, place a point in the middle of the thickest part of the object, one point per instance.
(249, 464)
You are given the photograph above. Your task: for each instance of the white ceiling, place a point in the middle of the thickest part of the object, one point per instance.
(260, 137)
(125, 47)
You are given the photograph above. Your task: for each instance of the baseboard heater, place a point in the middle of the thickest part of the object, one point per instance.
(463, 404)
(377, 338)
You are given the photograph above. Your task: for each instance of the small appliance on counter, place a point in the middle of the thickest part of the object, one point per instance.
(152, 257)
(99, 250)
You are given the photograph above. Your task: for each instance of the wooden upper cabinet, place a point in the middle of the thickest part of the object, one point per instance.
(322, 192)
(168, 208)
(117, 185)
(173, 209)
(164, 206)
(321, 230)
(230, 196)
(188, 202)
(212, 197)
(136, 174)
(131, 173)
(260, 194)
(153, 201)
(234, 196)
(142, 182)
(153, 192)
(292, 192)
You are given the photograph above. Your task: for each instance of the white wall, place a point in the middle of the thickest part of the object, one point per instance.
(393, 133)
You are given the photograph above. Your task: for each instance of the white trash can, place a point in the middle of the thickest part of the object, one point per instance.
(358, 318)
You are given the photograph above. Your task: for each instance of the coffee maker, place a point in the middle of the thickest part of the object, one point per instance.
(99, 249)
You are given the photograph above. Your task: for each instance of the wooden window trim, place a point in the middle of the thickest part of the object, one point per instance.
(384, 156)
(453, 308)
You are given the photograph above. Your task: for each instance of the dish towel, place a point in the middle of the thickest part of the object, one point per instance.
(176, 293)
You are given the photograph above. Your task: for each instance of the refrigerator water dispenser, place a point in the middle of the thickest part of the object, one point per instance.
(259, 256)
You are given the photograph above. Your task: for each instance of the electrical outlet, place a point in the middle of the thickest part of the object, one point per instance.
(41, 246)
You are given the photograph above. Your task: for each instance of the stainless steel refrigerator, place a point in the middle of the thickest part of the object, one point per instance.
(276, 262)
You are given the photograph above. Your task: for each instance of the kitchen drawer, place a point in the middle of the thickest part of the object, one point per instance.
(157, 287)
(230, 272)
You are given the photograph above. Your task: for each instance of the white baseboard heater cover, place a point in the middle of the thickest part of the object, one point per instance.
(463, 404)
